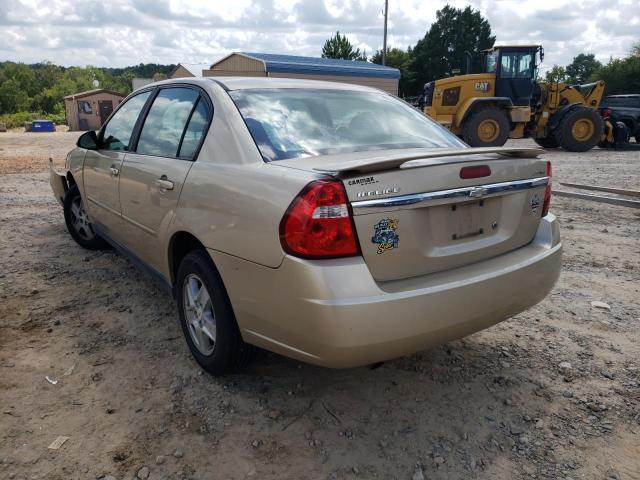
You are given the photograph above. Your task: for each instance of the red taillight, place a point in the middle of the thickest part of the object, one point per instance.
(547, 192)
(477, 171)
(318, 223)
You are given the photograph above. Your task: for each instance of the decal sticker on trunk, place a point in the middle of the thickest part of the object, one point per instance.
(535, 204)
(385, 234)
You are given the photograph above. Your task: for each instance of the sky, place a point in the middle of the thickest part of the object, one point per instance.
(117, 33)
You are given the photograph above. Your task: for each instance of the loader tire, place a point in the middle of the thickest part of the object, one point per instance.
(580, 130)
(486, 127)
(547, 142)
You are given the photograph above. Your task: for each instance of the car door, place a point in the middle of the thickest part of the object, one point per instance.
(152, 176)
(102, 167)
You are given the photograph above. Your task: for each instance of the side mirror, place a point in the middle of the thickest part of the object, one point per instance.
(88, 140)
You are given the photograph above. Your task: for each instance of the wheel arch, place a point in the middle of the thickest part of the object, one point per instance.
(557, 117)
(180, 244)
(630, 122)
(470, 106)
(71, 181)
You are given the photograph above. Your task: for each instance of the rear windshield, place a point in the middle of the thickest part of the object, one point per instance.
(291, 123)
(621, 102)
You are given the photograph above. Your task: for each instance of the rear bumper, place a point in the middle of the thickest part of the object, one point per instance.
(333, 313)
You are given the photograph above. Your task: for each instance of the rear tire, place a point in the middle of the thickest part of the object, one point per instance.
(207, 318)
(77, 221)
(580, 130)
(547, 142)
(486, 127)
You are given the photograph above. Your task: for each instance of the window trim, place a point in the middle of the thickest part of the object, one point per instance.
(137, 130)
(186, 127)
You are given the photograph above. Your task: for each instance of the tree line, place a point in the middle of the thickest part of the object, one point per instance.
(461, 34)
(38, 90)
(621, 75)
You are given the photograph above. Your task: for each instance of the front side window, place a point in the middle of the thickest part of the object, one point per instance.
(517, 65)
(290, 123)
(117, 133)
(162, 130)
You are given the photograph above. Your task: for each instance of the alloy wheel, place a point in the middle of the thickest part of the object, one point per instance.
(199, 314)
(80, 219)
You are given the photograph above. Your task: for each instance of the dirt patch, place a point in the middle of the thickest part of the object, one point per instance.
(552, 393)
(28, 152)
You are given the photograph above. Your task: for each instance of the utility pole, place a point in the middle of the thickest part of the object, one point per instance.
(384, 41)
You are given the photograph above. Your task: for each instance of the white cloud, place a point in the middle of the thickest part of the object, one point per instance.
(127, 32)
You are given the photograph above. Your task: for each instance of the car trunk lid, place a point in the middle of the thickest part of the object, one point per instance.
(415, 215)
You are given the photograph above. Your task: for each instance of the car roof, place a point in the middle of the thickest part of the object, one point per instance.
(247, 83)
(243, 83)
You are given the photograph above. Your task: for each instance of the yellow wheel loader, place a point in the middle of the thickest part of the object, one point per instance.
(506, 101)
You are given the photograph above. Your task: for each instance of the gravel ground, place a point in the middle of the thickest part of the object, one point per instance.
(552, 393)
(22, 152)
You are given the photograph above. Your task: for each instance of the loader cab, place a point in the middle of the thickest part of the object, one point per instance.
(515, 68)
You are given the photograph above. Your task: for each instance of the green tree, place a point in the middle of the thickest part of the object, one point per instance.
(621, 75)
(557, 74)
(581, 68)
(13, 98)
(443, 48)
(31, 90)
(340, 47)
(402, 60)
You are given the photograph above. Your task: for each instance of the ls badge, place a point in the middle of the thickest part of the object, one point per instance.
(385, 234)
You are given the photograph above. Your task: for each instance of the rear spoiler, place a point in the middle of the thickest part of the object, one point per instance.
(399, 159)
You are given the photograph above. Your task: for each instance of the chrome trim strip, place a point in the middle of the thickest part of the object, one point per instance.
(475, 192)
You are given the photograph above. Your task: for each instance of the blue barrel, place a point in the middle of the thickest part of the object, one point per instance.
(43, 126)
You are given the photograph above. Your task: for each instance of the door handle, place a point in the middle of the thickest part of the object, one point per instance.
(114, 171)
(164, 184)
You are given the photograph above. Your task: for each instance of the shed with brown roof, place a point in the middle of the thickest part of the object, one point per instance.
(89, 110)
(181, 71)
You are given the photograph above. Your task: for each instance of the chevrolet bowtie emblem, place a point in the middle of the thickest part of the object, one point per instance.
(478, 192)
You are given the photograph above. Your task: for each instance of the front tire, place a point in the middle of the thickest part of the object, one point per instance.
(580, 130)
(486, 127)
(207, 318)
(77, 221)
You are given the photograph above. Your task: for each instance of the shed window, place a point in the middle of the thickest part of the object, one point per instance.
(84, 107)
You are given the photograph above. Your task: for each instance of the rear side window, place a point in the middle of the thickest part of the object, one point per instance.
(117, 133)
(195, 130)
(162, 130)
